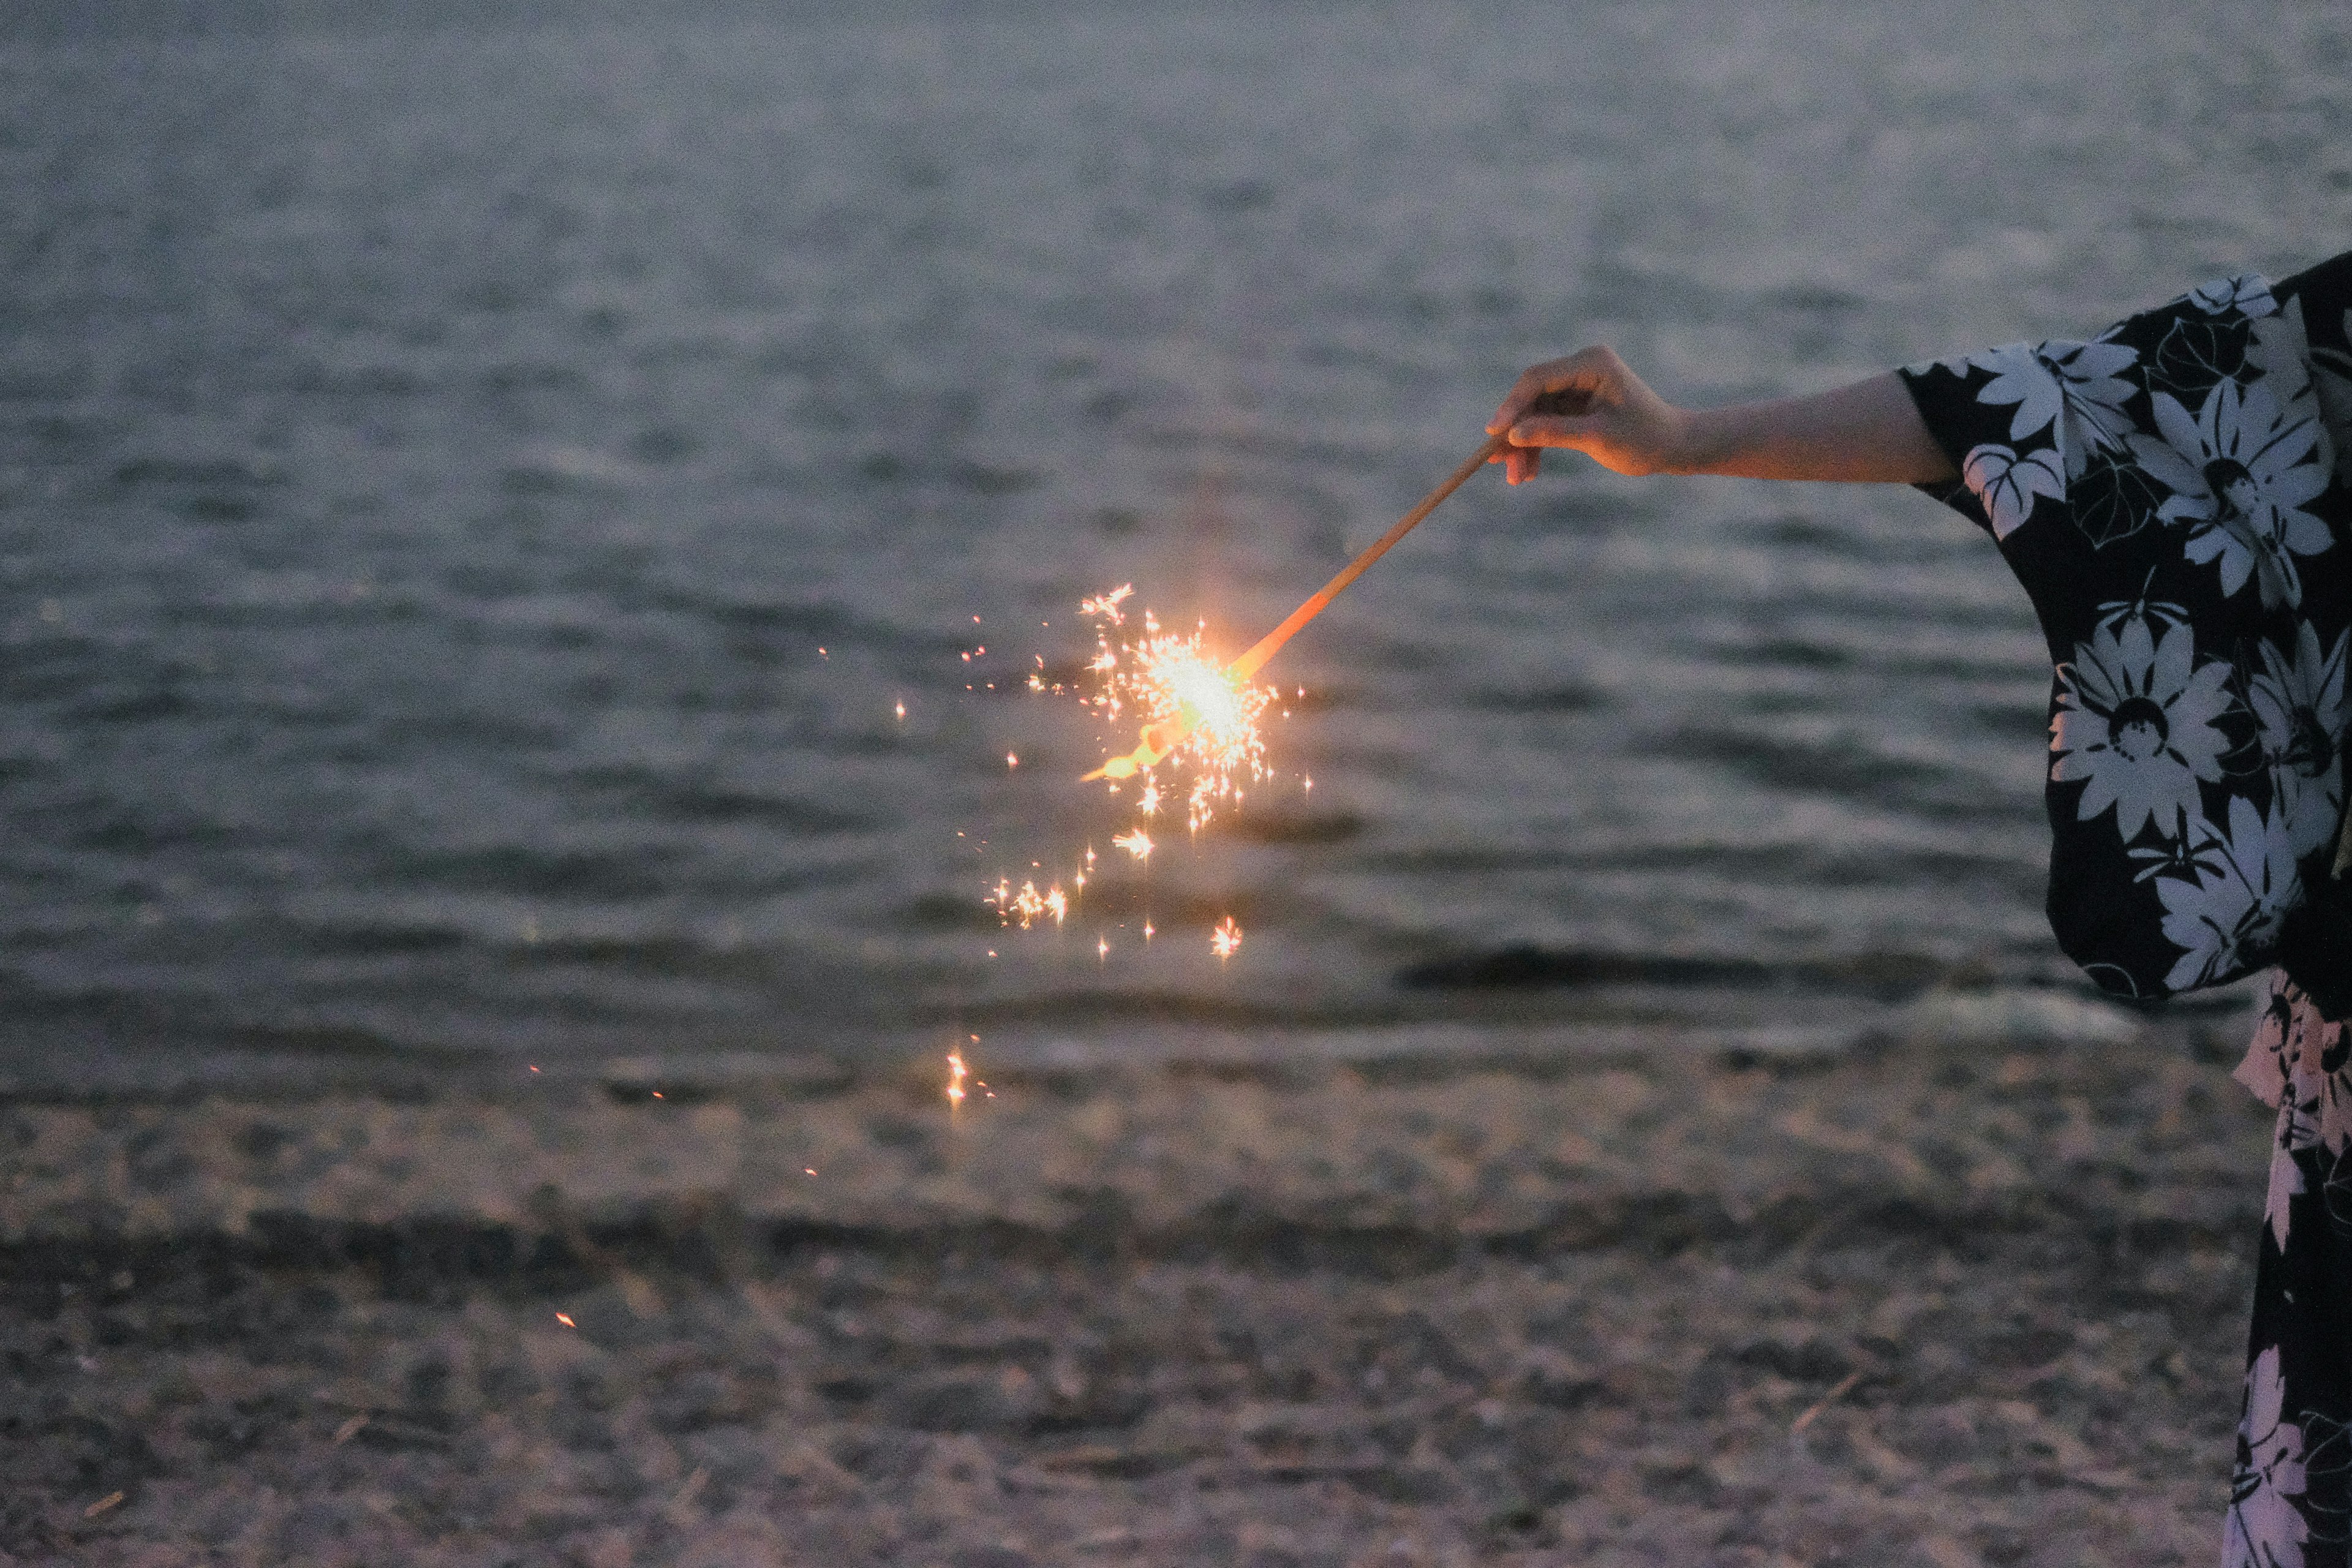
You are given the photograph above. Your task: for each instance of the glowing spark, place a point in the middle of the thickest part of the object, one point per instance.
(1146, 930)
(808, 1170)
(1108, 605)
(1011, 761)
(1226, 940)
(1137, 843)
(1024, 906)
(565, 1319)
(1058, 904)
(957, 1073)
(1102, 948)
(899, 708)
(1198, 715)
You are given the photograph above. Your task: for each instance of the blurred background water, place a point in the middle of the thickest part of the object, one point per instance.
(475, 482)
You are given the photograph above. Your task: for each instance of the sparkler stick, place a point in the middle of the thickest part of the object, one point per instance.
(1158, 740)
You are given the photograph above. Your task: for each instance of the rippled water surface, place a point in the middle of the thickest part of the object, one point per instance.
(472, 492)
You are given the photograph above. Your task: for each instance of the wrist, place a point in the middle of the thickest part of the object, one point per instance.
(1692, 441)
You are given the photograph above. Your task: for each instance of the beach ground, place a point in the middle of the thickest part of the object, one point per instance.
(1921, 1303)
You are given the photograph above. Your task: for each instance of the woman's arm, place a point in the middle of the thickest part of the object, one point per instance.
(1589, 402)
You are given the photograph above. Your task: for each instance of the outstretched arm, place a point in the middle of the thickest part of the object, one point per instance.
(1589, 402)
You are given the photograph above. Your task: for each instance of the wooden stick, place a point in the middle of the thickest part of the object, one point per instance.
(1158, 740)
(1250, 663)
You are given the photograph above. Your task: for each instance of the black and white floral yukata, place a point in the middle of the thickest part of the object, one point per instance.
(2175, 496)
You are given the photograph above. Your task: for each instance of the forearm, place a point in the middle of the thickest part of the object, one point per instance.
(1868, 433)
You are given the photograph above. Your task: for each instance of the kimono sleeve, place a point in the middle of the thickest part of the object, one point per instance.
(2173, 501)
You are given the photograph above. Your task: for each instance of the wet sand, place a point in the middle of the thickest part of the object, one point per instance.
(1923, 1303)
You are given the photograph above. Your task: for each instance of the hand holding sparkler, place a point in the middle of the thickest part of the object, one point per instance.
(1867, 433)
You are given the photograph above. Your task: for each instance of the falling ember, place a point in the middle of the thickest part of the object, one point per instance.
(1102, 948)
(899, 708)
(957, 1073)
(1011, 761)
(1226, 940)
(1137, 843)
(565, 1319)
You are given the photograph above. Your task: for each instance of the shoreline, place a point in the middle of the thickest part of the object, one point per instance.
(1935, 1302)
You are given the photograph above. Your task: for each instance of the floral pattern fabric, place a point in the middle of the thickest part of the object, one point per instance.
(2290, 1490)
(2176, 497)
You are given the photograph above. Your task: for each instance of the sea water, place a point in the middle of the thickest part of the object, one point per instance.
(477, 485)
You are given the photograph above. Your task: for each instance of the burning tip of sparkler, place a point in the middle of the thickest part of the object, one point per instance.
(1226, 940)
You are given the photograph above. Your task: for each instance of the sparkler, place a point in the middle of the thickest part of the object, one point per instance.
(1192, 708)
(1195, 710)
(1205, 694)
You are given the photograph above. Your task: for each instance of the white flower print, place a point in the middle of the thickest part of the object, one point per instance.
(2088, 377)
(2278, 347)
(2227, 913)
(2293, 371)
(2265, 1529)
(2019, 378)
(2302, 705)
(2005, 483)
(2248, 293)
(2135, 721)
(2239, 475)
